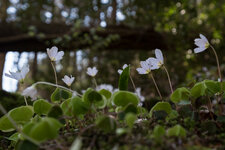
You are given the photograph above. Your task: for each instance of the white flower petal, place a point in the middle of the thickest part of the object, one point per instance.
(141, 71)
(120, 71)
(125, 66)
(159, 55)
(92, 71)
(204, 38)
(53, 54)
(199, 49)
(30, 92)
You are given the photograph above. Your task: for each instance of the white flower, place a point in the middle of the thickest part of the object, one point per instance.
(108, 87)
(19, 75)
(120, 70)
(202, 44)
(68, 80)
(54, 55)
(145, 67)
(30, 92)
(92, 71)
(157, 62)
(138, 93)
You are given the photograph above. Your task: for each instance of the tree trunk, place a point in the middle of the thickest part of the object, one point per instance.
(3, 10)
(2, 63)
(114, 11)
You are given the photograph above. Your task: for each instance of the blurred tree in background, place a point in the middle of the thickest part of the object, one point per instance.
(90, 31)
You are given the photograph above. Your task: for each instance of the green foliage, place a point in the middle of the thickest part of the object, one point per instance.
(161, 106)
(55, 112)
(198, 90)
(20, 115)
(130, 119)
(67, 107)
(158, 132)
(124, 78)
(106, 123)
(123, 98)
(177, 131)
(105, 93)
(78, 106)
(47, 128)
(180, 94)
(41, 107)
(26, 145)
(60, 95)
(206, 87)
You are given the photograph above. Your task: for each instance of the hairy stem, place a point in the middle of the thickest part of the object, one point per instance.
(95, 82)
(56, 80)
(167, 73)
(132, 81)
(217, 61)
(156, 86)
(25, 99)
(55, 85)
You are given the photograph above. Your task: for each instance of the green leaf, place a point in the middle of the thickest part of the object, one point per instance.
(131, 108)
(85, 96)
(161, 106)
(20, 115)
(45, 129)
(130, 119)
(180, 94)
(106, 123)
(124, 78)
(78, 106)
(198, 90)
(94, 96)
(123, 98)
(26, 145)
(177, 131)
(60, 95)
(41, 107)
(105, 93)
(158, 132)
(67, 107)
(55, 112)
(212, 86)
(15, 137)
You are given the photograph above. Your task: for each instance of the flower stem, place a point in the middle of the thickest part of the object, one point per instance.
(62, 87)
(25, 100)
(2, 109)
(171, 88)
(56, 81)
(132, 83)
(95, 82)
(156, 86)
(218, 64)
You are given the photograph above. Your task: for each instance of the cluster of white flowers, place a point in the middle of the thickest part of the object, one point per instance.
(121, 70)
(146, 67)
(151, 63)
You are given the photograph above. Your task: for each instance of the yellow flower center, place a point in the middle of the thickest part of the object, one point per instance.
(206, 45)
